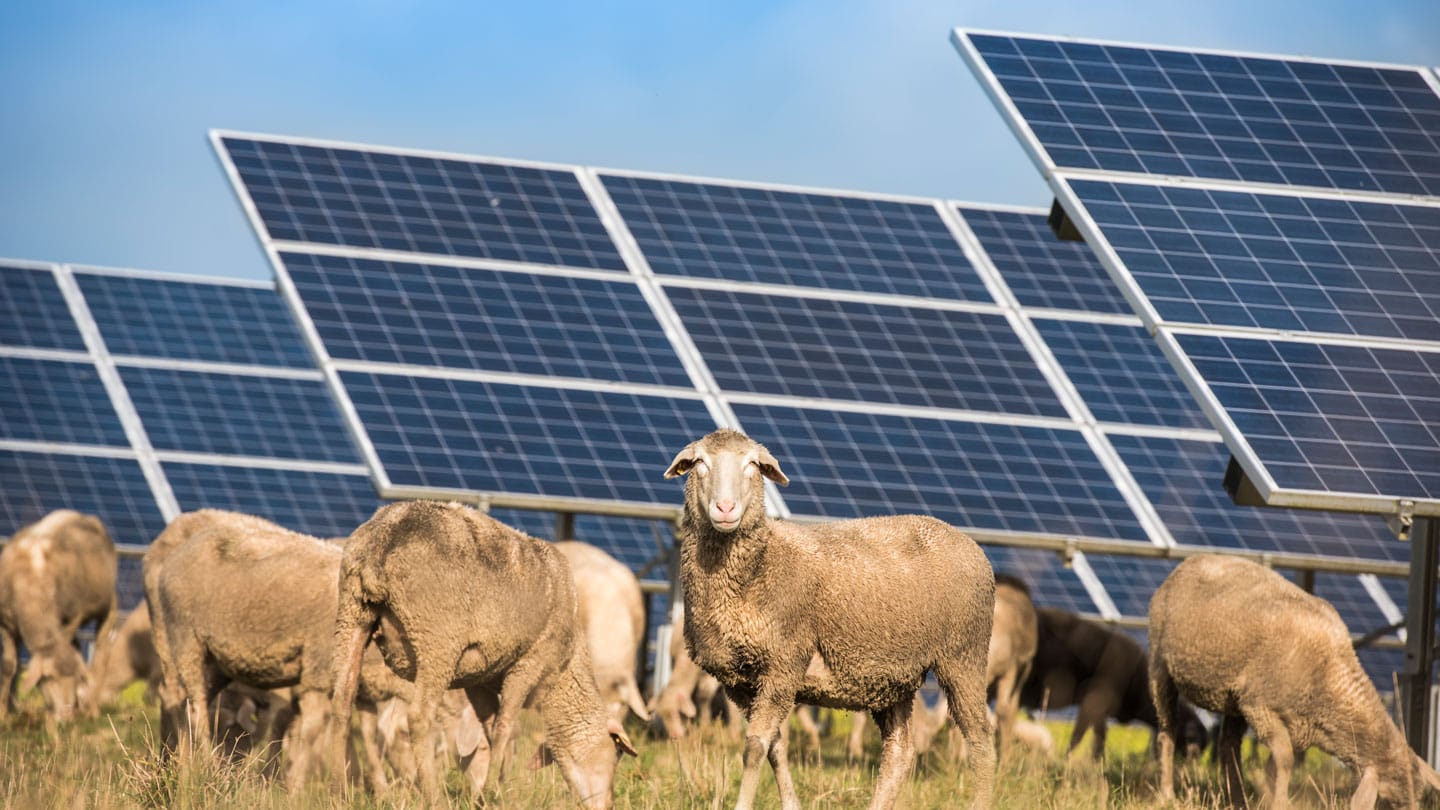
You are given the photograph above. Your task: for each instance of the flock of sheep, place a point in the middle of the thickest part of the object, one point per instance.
(438, 624)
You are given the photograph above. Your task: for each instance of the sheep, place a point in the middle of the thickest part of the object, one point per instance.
(237, 598)
(55, 575)
(125, 654)
(464, 601)
(613, 609)
(1101, 669)
(763, 597)
(1013, 638)
(1240, 640)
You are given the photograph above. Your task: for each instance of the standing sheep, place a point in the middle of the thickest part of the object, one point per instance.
(55, 575)
(763, 597)
(464, 601)
(238, 598)
(613, 609)
(1238, 639)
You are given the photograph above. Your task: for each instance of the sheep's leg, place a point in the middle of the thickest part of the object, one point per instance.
(855, 745)
(897, 752)
(370, 749)
(519, 682)
(805, 715)
(485, 705)
(1227, 748)
(309, 735)
(765, 713)
(962, 679)
(1167, 713)
(354, 623)
(191, 675)
(9, 662)
(1270, 729)
(429, 686)
(780, 764)
(1007, 705)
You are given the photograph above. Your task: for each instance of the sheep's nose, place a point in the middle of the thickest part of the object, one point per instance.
(725, 507)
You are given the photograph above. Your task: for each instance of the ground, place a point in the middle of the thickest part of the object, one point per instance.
(111, 762)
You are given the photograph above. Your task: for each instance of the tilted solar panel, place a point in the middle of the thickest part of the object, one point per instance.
(322, 504)
(1042, 271)
(56, 401)
(33, 484)
(1122, 108)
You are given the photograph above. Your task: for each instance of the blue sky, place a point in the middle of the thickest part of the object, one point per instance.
(105, 106)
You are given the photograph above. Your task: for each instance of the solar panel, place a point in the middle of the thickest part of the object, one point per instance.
(633, 541)
(477, 318)
(33, 484)
(422, 204)
(1334, 418)
(33, 311)
(1091, 105)
(1130, 581)
(1274, 261)
(479, 436)
(154, 316)
(777, 236)
(238, 414)
(1042, 271)
(1121, 374)
(56, 401)
(1050, 584)
(813, 347)
(973, 475)
(317, 503)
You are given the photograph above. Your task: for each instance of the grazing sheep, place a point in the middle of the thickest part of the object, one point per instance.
(125, 654)
(881, 600)
(1101, 669)
(55, 575)
(464, 601)
(1240, 640)
(613, 609)
(242, 599)
(690, 686)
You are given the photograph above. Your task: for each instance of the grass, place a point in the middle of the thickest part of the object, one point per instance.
(112, 763)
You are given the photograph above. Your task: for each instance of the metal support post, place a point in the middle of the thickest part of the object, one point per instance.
(564, 526)
(1416, 677)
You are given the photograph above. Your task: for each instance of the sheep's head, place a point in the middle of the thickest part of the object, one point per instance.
(725, 469)
(1402, 782)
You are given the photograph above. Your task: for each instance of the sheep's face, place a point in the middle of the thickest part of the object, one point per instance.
(726, 472)
(590, 768)
(1403, 785)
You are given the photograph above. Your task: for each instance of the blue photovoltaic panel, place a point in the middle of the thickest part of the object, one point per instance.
(1249, 118)
(1348, 419)
(56, 401)
(315, 503)
(452, 317)
(1130, 581)
(1040, 268)
(1050, 583)
(234, 414)
(808, 347)
(1351, 601)
(710, 230)
(129, 582)
(632, 541)
(184, 320)
(1183, 479)
(33, 311)
(975, 475)
(1232, 258)
(493, 437)
(114, 489)
(1121, 373)
(1382, 666)
(451, 207)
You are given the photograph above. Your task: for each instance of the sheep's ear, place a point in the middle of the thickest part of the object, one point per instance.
(248, 715)
(770, 468)
(1427, 773)
(468, 732)
(1368, 791)
(622, 742)
(683, 461)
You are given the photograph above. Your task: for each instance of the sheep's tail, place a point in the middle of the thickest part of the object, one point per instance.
(354, 623)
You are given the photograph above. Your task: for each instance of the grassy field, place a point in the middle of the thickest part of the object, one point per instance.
(112, 762)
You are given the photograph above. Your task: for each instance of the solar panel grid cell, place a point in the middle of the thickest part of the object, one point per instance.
(450, 207)
(34, 484)
(493, 437)
(810, 347)
(56, 401)
(315, 503)
(184, 320)
(33, 311)
(1040, 269)
(1333, 418)
(1130, 581)
(973, 475)
(1050, 583)
(1274, 261)
(471, 318)
(238, 414)
(712, 230)
(1255, 119)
